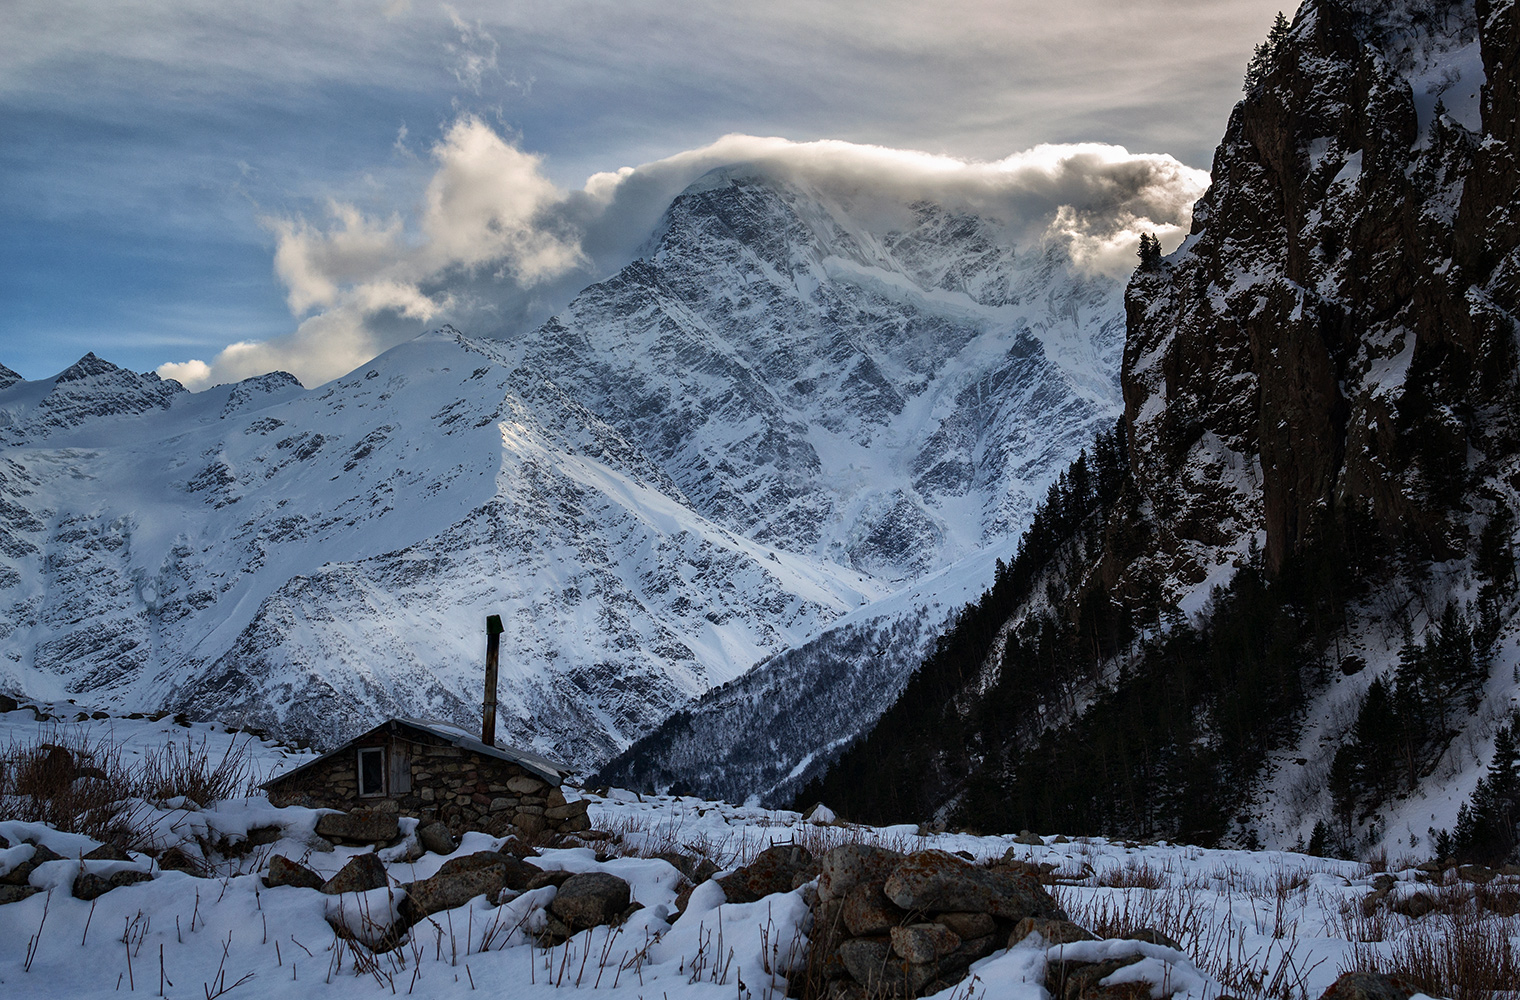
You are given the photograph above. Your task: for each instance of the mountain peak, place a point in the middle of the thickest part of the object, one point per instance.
(9, 378)
(84, 368)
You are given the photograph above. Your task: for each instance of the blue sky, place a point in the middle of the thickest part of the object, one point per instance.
(155, 157)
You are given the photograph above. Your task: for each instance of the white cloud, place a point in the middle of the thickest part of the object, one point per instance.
(494, 243)
(489, 203)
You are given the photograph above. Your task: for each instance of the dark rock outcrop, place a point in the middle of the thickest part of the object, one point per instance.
(283, 871)
(361, 874)
(1370, 986)
(1349, 287)
(780, 868)
(936, 882)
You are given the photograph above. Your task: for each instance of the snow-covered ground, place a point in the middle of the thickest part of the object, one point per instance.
(1250, 924)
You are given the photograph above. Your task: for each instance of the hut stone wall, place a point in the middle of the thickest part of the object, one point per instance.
(432, 779)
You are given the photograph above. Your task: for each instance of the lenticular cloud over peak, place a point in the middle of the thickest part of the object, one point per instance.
(493, 245)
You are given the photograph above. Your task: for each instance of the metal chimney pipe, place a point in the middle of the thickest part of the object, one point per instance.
(493, 643)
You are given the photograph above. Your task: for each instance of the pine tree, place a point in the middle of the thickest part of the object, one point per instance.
(1486, 826)
(1496, 553)
(1265, 56)
(1376, 734)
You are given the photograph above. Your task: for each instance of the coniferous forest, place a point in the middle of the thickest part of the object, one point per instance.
(1103, 711)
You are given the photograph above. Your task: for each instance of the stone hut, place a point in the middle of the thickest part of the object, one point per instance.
(434, 771)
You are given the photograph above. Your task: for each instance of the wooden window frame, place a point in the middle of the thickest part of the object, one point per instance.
(359, 764)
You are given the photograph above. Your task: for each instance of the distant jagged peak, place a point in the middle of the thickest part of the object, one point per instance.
(741, 174)
(445, 332)
(258, 389)
(270, 381)
(9, 378)
(85, 367)
(796, 224)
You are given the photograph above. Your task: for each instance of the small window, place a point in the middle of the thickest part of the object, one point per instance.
(371, 771)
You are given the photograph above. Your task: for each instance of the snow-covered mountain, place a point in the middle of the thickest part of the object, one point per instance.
(786, 409)
(859, 394)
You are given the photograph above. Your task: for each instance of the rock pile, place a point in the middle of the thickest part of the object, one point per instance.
(888, 924)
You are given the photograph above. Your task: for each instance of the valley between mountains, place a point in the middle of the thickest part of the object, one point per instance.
(894, 503)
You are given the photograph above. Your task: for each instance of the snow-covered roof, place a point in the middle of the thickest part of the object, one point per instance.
(552, 771)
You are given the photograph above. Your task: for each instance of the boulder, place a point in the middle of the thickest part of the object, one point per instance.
(922, 943)
(867, 911)
(590, 899)
(1079, 980)
(936, 882)
(16, 893)
(129, 877)
(1369, 986)
(516, 873)
(446, 891)
(88, 886)
(283, 871)
(362, 873)
(176, 860)
(365, 826)
(107, 852)
(435, 837)
(1152, 936)
(780, 868)
(554, 878)
(848, 865)
(968, 925)
(1050, 931)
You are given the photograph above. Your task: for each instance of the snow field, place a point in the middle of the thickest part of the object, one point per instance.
(1251, 924)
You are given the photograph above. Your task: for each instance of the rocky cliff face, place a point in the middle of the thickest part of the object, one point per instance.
(1339, 327)
(1324, 371)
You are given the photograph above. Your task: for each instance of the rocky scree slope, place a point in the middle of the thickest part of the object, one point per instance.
(1321, 454)
(775, 417)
